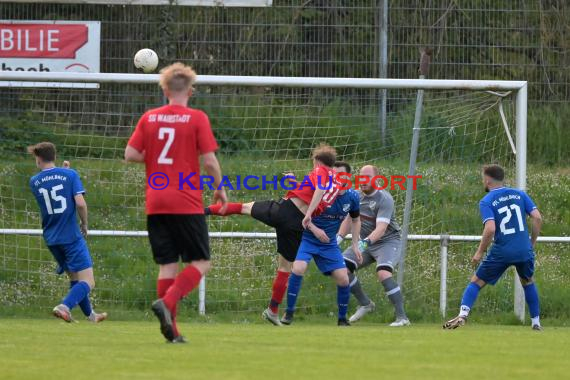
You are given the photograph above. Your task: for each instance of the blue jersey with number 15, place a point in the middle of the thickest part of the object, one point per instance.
(55, 191)
(508, 208)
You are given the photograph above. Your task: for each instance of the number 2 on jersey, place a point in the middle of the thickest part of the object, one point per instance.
(505, 210)
(169, 134)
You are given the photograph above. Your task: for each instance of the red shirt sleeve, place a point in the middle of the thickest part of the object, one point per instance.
(137, 138)
(206, 140)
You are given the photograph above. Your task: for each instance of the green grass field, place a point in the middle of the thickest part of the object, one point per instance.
(49, 349)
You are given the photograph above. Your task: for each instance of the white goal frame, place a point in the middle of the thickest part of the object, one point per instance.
(520, 87)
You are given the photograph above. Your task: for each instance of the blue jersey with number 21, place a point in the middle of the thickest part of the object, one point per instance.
(508, 208)
(55, 191)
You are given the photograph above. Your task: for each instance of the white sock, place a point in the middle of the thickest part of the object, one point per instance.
(464, 311)
(92, 317)
(535, 321)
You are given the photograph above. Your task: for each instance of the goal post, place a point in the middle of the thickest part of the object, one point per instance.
(279, 133)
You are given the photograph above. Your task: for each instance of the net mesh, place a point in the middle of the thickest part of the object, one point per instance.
(261, 131)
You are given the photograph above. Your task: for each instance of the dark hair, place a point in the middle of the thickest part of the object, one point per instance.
(325, 154)
(343, 164)
(44, 150)
(495, 172)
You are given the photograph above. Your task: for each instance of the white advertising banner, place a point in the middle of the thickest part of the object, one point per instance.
(50, 46)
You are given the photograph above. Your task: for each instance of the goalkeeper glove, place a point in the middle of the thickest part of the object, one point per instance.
(363, 244)
(339, 239)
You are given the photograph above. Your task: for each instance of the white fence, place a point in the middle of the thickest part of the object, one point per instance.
(443, 239)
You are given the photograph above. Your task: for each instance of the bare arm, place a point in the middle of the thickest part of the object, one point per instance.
(318, 232)
(213, 169)
(133, 155)
(344, 227)
(378, 232)
(81, 207)
(536, 221)
(356, 224)
(315, 200)
(486, 239)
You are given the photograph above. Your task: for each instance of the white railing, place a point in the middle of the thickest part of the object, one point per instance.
(443, 239)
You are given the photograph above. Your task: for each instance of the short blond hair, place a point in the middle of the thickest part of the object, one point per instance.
(177, 77)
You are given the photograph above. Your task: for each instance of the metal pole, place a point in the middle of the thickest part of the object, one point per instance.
(521, 121)
(202, 296)
(383, 41)
(424, 64)
(443, 276)
(409, 190)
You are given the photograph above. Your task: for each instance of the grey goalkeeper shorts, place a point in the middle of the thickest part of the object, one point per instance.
(386, 255)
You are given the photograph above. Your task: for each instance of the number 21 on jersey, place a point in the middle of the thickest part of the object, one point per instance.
(506, 210)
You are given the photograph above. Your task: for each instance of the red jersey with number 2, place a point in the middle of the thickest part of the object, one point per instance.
(173, 138)
(320, 177)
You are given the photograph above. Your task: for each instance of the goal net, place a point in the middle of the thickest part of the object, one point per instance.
(266, 129)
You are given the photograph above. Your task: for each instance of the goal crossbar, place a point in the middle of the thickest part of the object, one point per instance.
(228, 80)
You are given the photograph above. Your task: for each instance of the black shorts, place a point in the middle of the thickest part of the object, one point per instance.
(286, 218)
(175, 236)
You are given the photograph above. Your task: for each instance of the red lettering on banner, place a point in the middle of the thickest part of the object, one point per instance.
(41, 40)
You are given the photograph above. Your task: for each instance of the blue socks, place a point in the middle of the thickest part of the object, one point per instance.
(293, 291)
(84, 304)
(531, 297)
(469, 297)
(342, 297)
(76, 294)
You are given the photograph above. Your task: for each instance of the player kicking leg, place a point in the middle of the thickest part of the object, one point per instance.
(319, 242)
(286, 216)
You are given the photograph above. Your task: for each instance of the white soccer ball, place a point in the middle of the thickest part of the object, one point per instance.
(146, 60)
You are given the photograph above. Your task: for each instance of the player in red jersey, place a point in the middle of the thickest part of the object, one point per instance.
(170, 141)
(288, 215)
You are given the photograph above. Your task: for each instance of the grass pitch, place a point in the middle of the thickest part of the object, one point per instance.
(49, 349)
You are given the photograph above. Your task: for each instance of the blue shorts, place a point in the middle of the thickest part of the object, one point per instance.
(72, 257)
(327, 257)
(490, 270)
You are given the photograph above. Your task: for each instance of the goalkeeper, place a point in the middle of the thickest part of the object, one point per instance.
(379, 242)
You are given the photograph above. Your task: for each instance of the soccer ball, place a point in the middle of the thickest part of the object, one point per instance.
(146, 60)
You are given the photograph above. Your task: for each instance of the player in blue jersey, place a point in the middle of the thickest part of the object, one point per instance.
(503, 212)
(59, 193)
(319, 242)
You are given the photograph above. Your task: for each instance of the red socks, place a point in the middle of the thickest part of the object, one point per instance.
(186, 280)
(231, 209)
(162, 286)
(279, 288)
